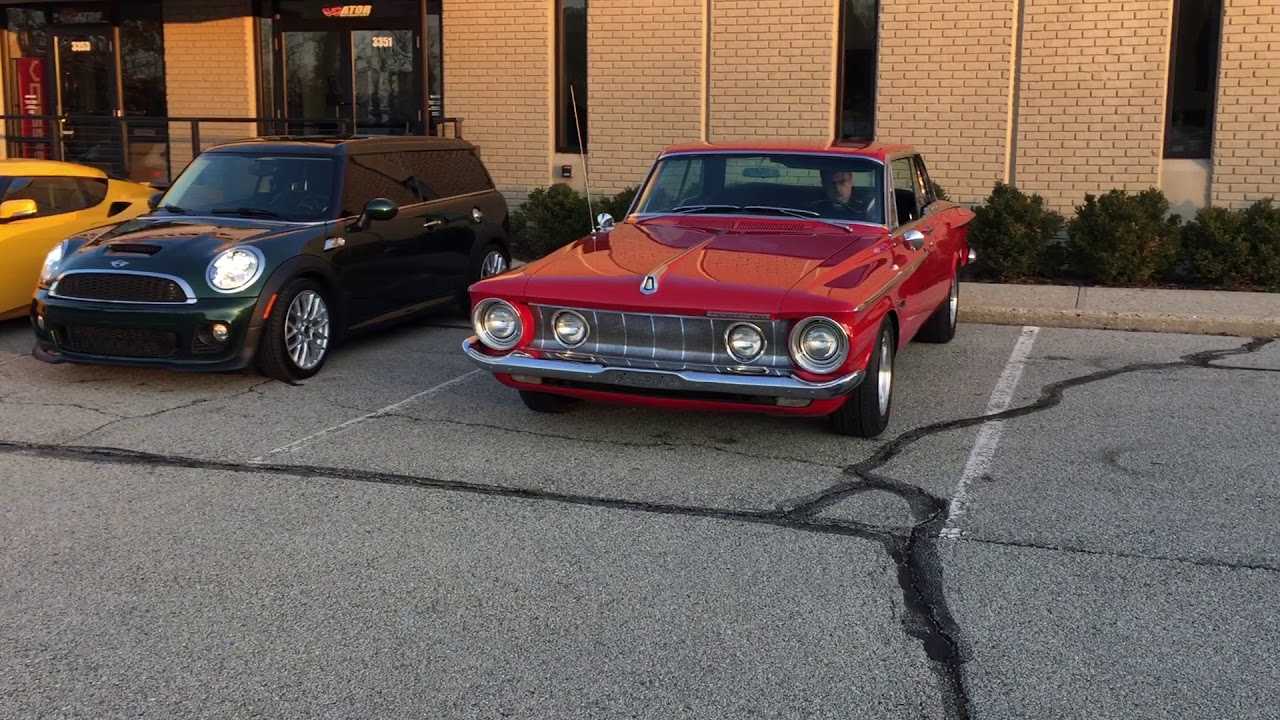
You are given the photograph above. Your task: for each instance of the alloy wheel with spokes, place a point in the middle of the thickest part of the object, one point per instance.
(307, 329)
(495, 263)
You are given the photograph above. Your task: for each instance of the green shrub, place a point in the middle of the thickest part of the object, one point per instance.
(938, 192)
(1123, 239)
(1237, 249)
(1011, 233)
(555, 216)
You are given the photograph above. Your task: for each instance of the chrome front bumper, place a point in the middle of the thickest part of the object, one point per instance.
(518, 363)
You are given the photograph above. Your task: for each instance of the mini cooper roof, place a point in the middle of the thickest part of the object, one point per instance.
(877, 150)
(340, 144)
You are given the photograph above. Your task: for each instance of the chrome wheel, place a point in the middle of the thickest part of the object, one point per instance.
(954, 301)
(494, 264)
(306, 329)
(884, 380)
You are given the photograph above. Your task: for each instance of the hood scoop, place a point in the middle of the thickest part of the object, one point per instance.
(126, 248)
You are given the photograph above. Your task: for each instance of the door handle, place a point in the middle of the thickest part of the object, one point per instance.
(433, 223)
(928, 229)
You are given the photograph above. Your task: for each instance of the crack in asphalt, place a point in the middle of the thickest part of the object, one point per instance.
(6, 400)
(122, 418)
(915, 554)
(608, 441)
(1076, 549)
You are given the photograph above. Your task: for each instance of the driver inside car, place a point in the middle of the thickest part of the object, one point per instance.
(840, 193)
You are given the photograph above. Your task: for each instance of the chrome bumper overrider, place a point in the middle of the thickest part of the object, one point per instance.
(518, 363)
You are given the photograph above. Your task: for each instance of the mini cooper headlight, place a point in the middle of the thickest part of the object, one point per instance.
(51, 263)
(745, 342)
(570, 328)
(235, 269)
(819, 344)
(497, 323)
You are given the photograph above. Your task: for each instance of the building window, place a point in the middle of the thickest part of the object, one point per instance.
(1193, 76)
(860, 25)
(571, 76)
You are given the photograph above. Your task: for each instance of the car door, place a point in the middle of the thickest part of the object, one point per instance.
(456, 186)
(64, 206)
(936, 224)
(907, 203)
(371, 261)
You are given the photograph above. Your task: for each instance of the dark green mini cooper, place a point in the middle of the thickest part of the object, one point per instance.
(266, 251)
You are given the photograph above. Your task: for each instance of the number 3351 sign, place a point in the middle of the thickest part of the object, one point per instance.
(383, 41)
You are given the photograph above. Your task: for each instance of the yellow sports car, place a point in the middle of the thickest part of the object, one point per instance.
(42, 203)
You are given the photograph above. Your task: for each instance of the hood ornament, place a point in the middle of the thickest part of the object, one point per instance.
(650, 284)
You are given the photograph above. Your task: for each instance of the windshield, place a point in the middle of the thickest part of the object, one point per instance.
(283, 187)
(831, 187)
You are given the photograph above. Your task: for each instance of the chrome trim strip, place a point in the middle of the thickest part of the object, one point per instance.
(186, 288)
(519, 363)
(902, 274)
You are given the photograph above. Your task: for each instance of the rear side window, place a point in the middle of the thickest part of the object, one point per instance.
(447, 173)
(58, 195)
(376, 175)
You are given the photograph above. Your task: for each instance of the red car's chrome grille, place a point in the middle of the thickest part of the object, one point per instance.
(120, 287)
(662, 342)
(119, 342)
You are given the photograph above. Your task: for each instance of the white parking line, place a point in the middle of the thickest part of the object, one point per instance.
(367, 416)
(984, 448)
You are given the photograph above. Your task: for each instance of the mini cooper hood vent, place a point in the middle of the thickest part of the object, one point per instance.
(124, 248)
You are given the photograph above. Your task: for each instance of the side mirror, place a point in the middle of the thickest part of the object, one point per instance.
(604, 221)
(914, 238)
(380, 209)
(153, 202)
(16, 209)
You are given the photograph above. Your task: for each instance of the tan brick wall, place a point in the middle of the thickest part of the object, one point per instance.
(1092, 97)
(209, 58)
(772, 70)
(497, 78)
(1246, 142)
(645, 86)
(945, 74)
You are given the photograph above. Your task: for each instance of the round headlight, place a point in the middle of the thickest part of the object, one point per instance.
(819, 345)
(51, 263)
(235, 269)
(745, 342)
(570, 328)
(497, 324)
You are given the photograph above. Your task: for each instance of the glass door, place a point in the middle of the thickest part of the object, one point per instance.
(87, 91)
(365, 81)
(387, 101)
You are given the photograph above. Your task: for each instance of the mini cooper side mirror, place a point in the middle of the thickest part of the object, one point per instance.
(604, 221)
(154, 201)
(379, 209)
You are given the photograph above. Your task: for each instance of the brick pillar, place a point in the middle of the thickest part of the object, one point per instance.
(209, 61)
(1246, 134)
(771, 69)
(1091, 115)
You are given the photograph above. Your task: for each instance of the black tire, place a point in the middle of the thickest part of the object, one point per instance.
(476, 267)
(546, 402)
(941, 326)
(273, 358)
(860, 415)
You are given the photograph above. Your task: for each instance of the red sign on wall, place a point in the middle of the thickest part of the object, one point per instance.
(30, 74)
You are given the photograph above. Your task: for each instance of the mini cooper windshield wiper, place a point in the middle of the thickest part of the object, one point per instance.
(251, 211)
(175, 209)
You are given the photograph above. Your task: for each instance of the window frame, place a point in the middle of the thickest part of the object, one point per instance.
(841, 70)
(567, 143)
(1174, 61)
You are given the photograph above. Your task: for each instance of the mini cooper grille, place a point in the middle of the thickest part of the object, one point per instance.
(663, 342)
(120, 287)
(119, 342)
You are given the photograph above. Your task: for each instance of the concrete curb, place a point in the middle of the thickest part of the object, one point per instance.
(1129, 321)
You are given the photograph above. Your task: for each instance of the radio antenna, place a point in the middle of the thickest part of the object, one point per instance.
(586, 171)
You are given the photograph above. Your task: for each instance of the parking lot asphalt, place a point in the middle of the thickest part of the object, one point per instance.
(400, 537)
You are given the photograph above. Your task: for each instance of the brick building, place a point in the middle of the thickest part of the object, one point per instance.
(1062, 98)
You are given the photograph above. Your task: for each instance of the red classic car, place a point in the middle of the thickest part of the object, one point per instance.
(780, 278)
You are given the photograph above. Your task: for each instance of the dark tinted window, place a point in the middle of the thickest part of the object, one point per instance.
(447, 173)
(376, 175)
(906, 190)
(57, 195)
